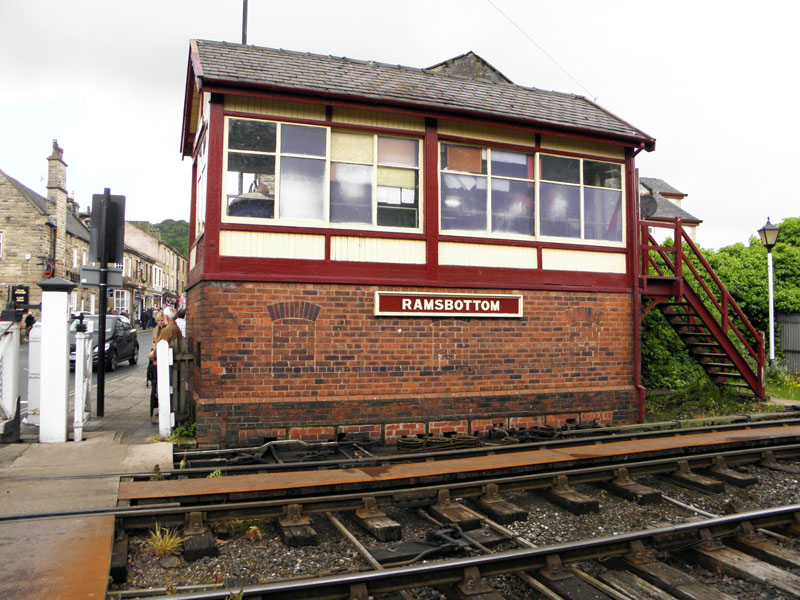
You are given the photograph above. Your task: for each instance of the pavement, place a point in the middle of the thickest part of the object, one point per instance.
(38, 478)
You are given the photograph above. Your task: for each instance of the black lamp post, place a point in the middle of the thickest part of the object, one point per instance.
(769, 237)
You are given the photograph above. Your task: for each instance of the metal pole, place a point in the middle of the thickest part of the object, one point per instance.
(101, 320)
(244, 21)
(771, 310)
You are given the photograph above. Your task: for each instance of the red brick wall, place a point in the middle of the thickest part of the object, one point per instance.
(313, 359)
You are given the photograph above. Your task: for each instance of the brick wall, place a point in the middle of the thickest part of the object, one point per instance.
(312, 360)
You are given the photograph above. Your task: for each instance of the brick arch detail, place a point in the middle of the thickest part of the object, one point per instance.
(294, 310)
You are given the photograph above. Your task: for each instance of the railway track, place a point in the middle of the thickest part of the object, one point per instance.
(563, 521)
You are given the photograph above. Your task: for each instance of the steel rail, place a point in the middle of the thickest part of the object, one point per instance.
(450, 572)
(411, 495)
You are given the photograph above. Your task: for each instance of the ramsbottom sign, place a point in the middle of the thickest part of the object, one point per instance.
(406, 304)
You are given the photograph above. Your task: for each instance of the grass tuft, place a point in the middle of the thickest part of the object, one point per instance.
(164, 541)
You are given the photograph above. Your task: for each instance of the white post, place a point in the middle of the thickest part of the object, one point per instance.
(83, 383)
(163, 364)
(34, 374)
(9, 371)
(55, 357)
(771, 310)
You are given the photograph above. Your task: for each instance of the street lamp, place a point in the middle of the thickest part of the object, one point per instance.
(769, 237)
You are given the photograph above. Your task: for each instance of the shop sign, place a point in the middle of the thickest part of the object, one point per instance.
(413, 304)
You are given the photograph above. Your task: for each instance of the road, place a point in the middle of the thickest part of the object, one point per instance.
(145, 344)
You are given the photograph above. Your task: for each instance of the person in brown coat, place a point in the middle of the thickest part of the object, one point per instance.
(169, 333)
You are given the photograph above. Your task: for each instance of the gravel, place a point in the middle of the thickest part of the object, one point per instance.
(244, 561)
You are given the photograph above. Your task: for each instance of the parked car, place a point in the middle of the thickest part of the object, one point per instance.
(121, 343)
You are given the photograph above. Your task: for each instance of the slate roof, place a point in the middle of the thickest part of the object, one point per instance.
(659, 185)
(75, 226)
(665, 209)
(230, 64)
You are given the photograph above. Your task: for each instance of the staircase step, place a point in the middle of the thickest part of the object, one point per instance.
(736, 375)
(710, 354)
(717, 365)
(704, 344)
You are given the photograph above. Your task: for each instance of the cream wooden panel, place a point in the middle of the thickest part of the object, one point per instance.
(485, 255)
(481, 132)
(371, 118)
(580, 260)
(410, 252)
(262, 244)
(550, 142)
(275, 108)
(192, 258)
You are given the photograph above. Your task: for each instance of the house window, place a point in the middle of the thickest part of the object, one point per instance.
(487, 190)
(302, 173)
(1, 245)
(121, 301)
(580, 198)
(74, 258)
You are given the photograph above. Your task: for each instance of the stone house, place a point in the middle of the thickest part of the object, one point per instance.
(42, 237)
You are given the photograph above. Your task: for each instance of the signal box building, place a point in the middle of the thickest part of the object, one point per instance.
(394, 251)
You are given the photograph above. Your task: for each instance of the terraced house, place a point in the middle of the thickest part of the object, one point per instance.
(391, 250)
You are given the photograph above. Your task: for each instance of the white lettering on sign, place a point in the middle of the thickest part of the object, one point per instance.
(401, 303)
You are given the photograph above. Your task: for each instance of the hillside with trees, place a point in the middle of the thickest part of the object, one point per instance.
(174, 233)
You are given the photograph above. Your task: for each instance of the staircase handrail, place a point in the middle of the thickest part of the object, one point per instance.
(727, 299)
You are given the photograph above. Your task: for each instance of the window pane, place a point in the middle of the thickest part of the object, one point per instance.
(351, 193)
(398, 151)
(602, 214)
(512, 164)
(351, 147)
(246, 134)
(558, 168)
(302, 191)
(561, 210)
(398, 197)
(250, 185)
(463, 202)
(512, 206)
(299, 139)
(463, 158)
(602, 174)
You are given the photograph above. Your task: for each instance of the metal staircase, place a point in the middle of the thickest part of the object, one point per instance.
(682, 285)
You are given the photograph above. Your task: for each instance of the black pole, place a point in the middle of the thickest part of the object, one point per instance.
(101, 320)
(244, 21)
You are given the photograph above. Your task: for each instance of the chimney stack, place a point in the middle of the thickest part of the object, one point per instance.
(57, 205)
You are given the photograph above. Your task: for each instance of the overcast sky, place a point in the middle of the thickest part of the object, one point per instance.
(714, 82)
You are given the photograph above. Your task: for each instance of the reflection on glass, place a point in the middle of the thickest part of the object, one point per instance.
(512, 206)
(602, 214)
(559, 168)
(602, 174)
(302, 189)
(351, 193)
(247, 134)
(463, 202)
(299, 139)
(561, 210)
(398, 151)
(512, 164)
(250, 185)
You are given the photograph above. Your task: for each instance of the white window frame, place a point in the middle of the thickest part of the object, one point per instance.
(583, 240)
(74, 258)
(326, 223)
(488, 176)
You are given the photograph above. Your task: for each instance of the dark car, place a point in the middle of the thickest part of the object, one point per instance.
(121, 343)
